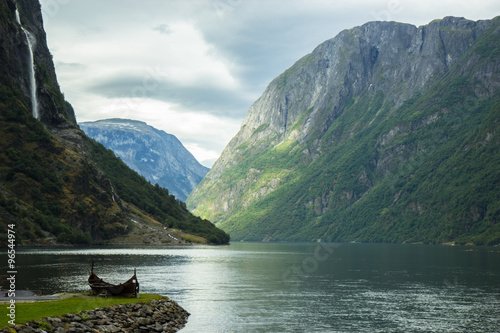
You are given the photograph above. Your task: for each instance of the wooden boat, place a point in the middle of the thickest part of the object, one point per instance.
(129, 288)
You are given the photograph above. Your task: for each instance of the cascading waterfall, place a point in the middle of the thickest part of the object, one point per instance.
(31, 42)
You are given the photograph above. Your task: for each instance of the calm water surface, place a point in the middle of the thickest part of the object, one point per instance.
(266, 287)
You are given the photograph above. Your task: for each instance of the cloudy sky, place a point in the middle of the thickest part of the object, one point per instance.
(193, 67)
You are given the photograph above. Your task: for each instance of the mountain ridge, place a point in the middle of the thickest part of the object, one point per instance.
(331, 147)
(158, 156)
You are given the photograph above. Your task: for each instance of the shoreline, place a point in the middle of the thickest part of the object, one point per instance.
(193, 244)
(158, 315)
(112, 245)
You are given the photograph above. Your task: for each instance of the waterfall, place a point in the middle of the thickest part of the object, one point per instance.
(31, 42)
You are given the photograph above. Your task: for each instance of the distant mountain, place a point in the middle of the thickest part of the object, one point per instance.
(159, 157)
(57, 186)
(386, 133)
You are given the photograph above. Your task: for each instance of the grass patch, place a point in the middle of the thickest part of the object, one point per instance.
(194, 239)
(26, 312)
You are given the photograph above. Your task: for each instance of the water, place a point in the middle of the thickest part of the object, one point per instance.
(259, 287)
(31, 42)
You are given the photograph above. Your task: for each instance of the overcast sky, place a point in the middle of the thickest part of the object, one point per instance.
(193, 67)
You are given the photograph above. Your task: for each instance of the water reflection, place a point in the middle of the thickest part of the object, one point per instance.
(295, 287)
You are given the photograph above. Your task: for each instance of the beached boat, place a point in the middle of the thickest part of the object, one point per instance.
(129, 288)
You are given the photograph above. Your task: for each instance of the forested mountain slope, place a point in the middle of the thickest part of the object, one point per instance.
(386, 133)
(57, 185)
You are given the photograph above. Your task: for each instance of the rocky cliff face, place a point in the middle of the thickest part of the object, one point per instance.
(357, 115)
(57, 185)
(15, 61)
(159, 157)
(394, 58)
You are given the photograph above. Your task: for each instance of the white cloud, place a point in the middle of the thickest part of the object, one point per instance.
(206, 157)
(189, 60)
(182, 56)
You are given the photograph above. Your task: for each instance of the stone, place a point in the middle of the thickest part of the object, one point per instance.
(157, 316)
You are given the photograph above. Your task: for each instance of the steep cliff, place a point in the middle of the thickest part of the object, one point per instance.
(57, 185)
(15, 61)
(387, 132)
(158, 156)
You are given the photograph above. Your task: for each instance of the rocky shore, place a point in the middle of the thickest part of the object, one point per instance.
(161, 315)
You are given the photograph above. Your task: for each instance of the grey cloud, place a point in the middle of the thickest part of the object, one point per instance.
(200, 97)
(266, 38)
(163, 29)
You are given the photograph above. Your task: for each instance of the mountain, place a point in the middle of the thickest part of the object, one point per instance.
(386, 133)
(57, 185)
(159, 157)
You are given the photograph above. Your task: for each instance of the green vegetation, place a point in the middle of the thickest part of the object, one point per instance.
(438, 188)
(69, 304)
(261, 128)
(423, 172)
(50, 188)
(153, 200)
(41, 182)
(488, 46)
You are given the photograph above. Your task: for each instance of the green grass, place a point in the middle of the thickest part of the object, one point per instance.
(26, 312)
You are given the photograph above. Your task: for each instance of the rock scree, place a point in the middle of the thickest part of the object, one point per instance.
(159, 315)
